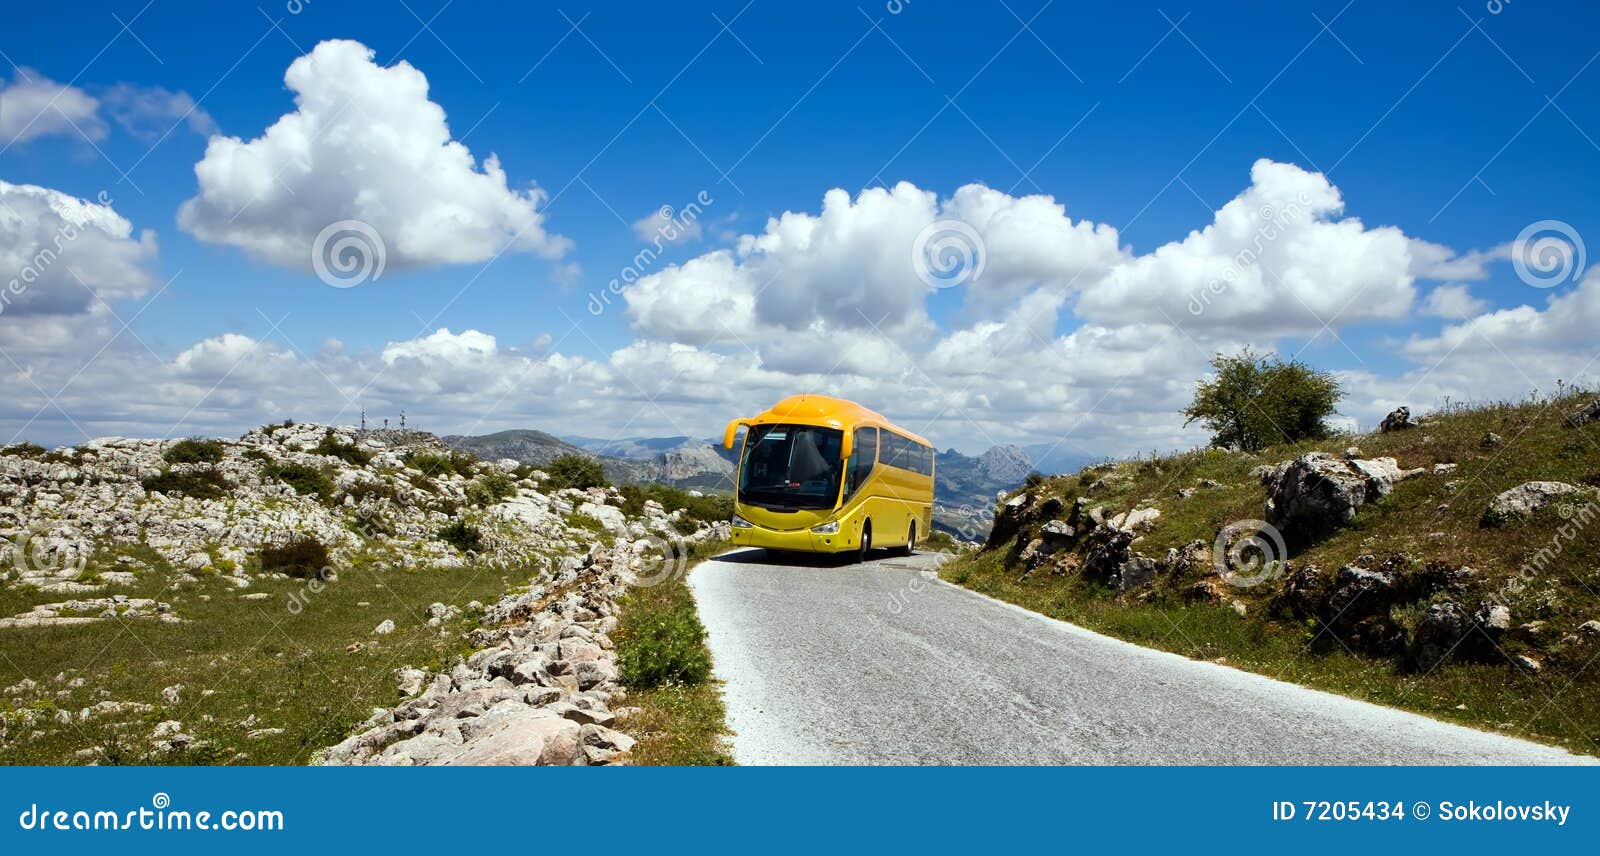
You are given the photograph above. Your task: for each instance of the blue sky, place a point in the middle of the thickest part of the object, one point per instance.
(1459, 124)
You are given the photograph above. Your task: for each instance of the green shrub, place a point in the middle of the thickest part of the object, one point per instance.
(304, 478)
(200, 484)
(256, 455)
(350, 453)
(463, 536)
(709, 508)
(194, 451)
(664, 644)
(1257, 401)
(938, 541)
(365, 490)
(575, 471)
(491, 487)
(443, 463)
(304, 557)
(24, 450)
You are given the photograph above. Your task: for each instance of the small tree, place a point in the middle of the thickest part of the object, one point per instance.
(1258, 401)
(575, 471)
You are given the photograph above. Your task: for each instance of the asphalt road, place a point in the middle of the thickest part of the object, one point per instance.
(883, 664)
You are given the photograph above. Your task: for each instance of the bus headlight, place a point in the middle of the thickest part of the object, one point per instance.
(741, 523)
(827, 528)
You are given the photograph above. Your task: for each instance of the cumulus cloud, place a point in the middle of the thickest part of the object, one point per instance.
(363, 143)
(63, 255)
(1278, 258)
(1454, 301)
(33, 106)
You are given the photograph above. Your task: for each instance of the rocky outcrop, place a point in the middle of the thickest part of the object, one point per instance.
(382, 495)
(1317, 493)
(1523, 501)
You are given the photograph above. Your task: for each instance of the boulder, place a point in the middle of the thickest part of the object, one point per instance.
(1304, 592)
(602, 745)
(1317, 493)
(1134, 573)
(1192, 559)
(1441, 631)
(522, 736)
(1584, 415)
(1106, 549)
(1523, 501)
(1398, 419)
(1359, 593)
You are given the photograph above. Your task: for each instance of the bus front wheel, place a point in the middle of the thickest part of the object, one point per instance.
(866, 542)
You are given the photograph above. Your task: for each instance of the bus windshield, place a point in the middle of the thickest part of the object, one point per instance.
(791, 467)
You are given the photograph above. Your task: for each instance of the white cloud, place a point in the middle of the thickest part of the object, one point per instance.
(149, 112)
(1454, 301)
(667, 226)
(63, 255)
(1059, 339)
(1276, 259)
(33, 106)
(363, 143)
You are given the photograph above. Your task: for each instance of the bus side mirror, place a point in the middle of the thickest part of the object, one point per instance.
(727, 433)
(847, 445)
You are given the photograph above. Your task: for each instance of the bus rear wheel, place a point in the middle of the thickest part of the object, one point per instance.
(911, 542)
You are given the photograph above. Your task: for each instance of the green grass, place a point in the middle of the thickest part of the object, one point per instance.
(1422, 520)
(666, 667)
(287, 659)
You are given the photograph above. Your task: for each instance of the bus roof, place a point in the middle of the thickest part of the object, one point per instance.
(828, 411)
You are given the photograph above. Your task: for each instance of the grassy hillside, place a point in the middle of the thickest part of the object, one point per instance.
(1537, 679)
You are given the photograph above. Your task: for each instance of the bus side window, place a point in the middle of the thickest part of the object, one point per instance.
(863, 454)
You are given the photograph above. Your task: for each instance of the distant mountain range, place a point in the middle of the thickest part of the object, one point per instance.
(677, 461)
(965, 485)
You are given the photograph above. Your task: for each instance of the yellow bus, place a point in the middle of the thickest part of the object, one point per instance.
(825, 475)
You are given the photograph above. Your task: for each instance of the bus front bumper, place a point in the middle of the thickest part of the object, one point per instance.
(799, 540)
